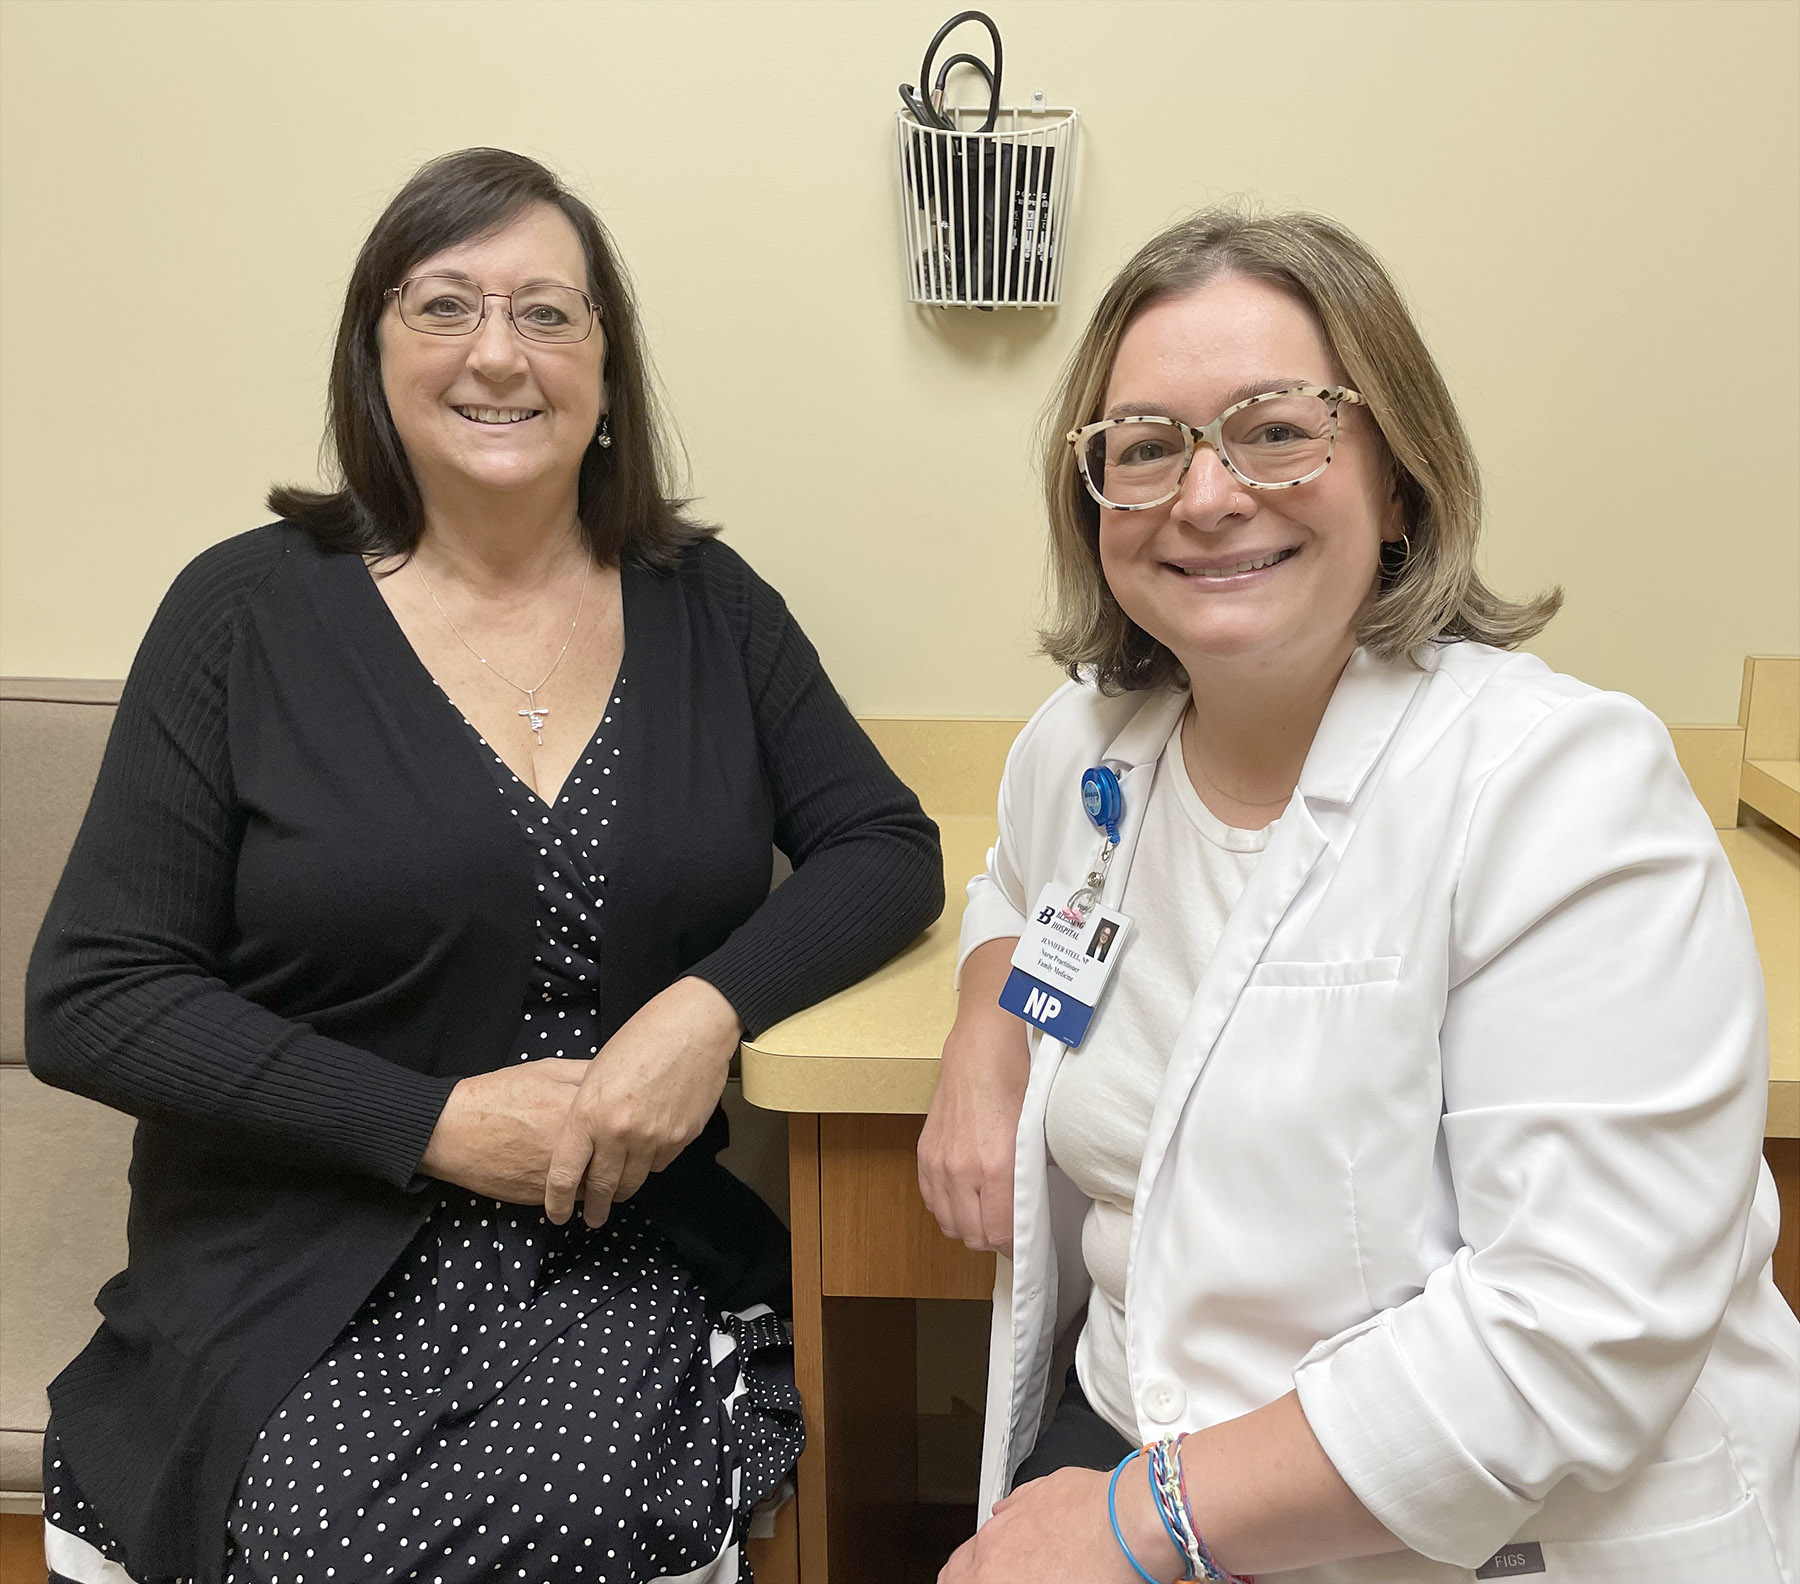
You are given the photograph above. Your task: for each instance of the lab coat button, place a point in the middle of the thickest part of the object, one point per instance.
(1163, 1399)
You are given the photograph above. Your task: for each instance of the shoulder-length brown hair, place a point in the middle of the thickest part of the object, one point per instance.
(1436, 594)
(625, 501)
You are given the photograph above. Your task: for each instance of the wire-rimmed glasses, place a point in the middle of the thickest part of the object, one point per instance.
(1272, 441)
(448, 305)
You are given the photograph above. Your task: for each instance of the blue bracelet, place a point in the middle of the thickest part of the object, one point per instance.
(1112, 1512)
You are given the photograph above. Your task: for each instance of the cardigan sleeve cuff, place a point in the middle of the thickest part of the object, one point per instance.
(750, 984)
(838, 919)
(988, 916)
(1399, 1454)
(387, 1129)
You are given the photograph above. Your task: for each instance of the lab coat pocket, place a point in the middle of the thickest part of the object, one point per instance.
(1321, 1068)
(1664, 1494)
(1735, 1545)
(1325, 975)
(1675, 1520)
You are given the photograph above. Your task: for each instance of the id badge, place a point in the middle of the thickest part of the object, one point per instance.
(1061, 967)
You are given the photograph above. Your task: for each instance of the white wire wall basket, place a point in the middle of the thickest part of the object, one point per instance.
(984, 216)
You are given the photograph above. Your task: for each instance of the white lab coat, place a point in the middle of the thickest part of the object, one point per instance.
(1461, 1135)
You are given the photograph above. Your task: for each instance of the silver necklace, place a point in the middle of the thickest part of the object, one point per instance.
(1193, 764)
(533, 712)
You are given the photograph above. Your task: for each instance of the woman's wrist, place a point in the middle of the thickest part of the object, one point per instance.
(989, 1045)
(709, 1004)
(439, 1155)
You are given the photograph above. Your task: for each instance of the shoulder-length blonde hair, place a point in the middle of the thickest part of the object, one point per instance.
(1436, 594)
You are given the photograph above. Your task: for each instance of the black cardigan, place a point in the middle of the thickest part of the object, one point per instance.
(297, 913)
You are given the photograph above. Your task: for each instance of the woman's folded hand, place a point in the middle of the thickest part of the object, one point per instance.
(1058, 1528)
(645, 1098)
(966, 1148)
(497, 1131)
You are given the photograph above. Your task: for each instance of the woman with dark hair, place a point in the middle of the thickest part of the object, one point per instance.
(433, 1272)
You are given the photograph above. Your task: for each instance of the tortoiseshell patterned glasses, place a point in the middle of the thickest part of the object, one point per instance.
(1272, 441)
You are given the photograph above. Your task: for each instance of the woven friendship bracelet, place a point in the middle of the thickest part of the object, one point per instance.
(1168, 1490)
(1163, 1462)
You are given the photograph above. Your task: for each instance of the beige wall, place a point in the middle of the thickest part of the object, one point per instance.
(1593, 207)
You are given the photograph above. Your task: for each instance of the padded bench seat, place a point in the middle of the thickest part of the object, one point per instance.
(62, 1159)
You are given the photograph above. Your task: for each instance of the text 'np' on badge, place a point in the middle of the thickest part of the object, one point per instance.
(1062, 1017)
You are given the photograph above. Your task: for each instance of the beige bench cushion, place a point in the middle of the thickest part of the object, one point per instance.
(62, 1228)
(52, 734)
(62, 1159)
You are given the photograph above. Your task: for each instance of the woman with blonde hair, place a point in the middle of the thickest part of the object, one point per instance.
(1404, 1196)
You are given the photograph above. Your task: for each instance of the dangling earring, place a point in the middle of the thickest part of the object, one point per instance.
(1394, 557)
(603, 435)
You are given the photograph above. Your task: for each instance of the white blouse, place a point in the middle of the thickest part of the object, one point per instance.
(1191, 868)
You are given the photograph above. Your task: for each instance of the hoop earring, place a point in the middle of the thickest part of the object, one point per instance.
(1392, 565)
(603, 434)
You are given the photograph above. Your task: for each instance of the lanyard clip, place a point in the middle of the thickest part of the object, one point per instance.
(1088, 894)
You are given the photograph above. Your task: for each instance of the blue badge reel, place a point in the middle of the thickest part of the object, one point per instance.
(1103, 801)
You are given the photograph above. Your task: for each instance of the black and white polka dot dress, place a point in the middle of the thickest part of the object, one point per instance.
(518, 1400)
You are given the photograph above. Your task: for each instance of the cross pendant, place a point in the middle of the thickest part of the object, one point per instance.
(534, 718)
